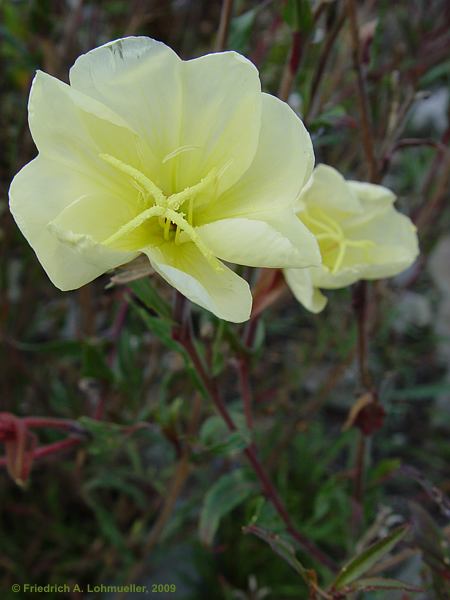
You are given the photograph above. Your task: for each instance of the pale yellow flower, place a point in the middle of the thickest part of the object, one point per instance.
(187, 162)
(360, 233)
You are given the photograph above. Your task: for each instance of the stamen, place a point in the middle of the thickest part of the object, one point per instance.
(176, 200)
(166, 208)
(340, 257)
(330, 231)
(177, 235)
(148, 185)
(360, 243)
(331, 222)
(178, 151)
(154, 211)
(166, 229)
(179, 220)
(191, 210)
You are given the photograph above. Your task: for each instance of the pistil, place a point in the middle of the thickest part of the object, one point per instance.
(165, 208)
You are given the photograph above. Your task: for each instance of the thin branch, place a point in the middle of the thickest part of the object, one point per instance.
(270, 491)
(366, 129)
(323, 59)
(359, 301)
(224, 25)
(359, 470)
(291, 67)
(429, 211)
(243, 364)
(411, 143)
(246, 391)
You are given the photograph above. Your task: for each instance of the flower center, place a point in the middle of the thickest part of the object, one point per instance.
(331, 237)
(174, 212)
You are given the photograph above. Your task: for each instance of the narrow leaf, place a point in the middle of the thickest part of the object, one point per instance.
(280, 547)
(368, 558)
(369, 584)
(147, 294)
(227, 493)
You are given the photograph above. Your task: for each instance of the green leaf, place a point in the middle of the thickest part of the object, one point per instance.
(240, 30)
(117, 481)
(328, 118)
(234, 444)
(215, 436)
(227, 493)
(298, 15)
(369, 584)
(105, 437)
(108, 527)
(281, 547)
(62, 347)
(421, 392)
(368, 558)
(143, 289)
(94, 364)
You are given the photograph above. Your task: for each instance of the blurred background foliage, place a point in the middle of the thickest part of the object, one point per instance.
(155, 490)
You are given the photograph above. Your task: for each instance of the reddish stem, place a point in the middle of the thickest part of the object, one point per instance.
(250, 452)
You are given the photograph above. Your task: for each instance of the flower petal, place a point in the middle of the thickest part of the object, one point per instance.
(140, 79)
(73, 128)
(196, 115)
(301, 285)
(222, 292)
(371, 192)
(395, 245)
(38, 194)
(327, 189)
(283, 163)
(280, 241)
(221, 115)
